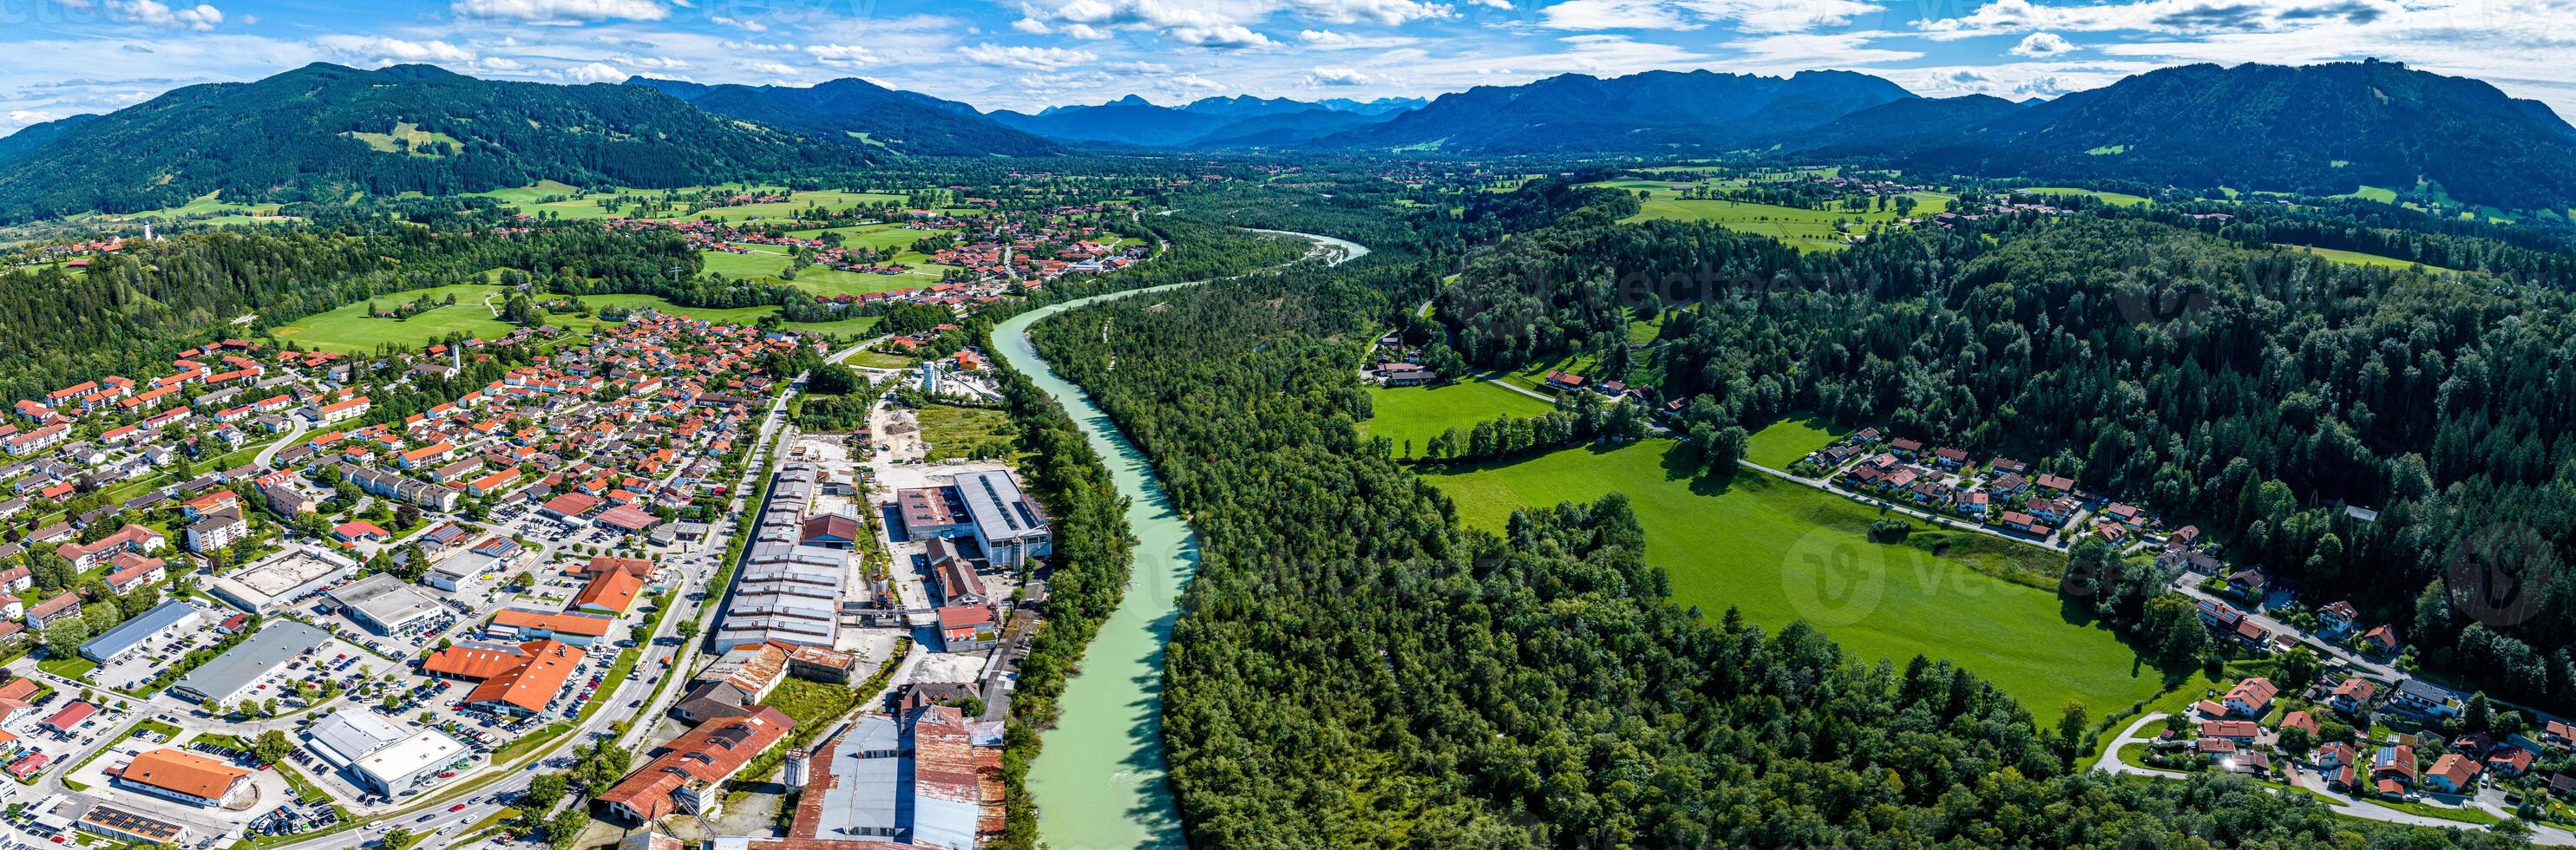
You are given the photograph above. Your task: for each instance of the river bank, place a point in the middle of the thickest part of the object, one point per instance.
(1099, 782)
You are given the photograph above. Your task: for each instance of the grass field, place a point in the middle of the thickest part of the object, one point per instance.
(1807, 229)
(1782, 552)
(765, 262)
(962, 432)
(2116, 199)
(1414, 415)
(2356, 258)
(1785, 441)
(349, 328)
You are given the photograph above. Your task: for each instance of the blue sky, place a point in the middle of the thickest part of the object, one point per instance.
(59, 57)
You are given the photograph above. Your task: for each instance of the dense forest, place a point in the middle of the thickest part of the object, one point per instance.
(2254, 390)
(132, 311)
(1353, 669)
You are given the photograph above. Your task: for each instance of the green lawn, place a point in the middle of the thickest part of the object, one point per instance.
(1785, 441)
(72, 667)
(2116, 199)
(1782, 552)
(1416, 414)
(350, 329)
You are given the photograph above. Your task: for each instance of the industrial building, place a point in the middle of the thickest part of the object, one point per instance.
(188, 778)
(379, 755)
(690, 774)
(931, 779)
(383, 603)
(163, 619)
(131, 828)
(231, 676)
(277, 581)
(787, 593)
(985, 506)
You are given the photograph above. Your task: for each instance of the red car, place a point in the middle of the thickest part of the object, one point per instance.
(456, 808)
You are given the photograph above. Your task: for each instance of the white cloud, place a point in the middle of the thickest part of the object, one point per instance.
(1336, 76)
(739, 23)
(1615, 15)
(757, 47)
(843, 55)
(1332, 40)
(1027, 58)
(2043, 45)
(774, 68)
(596, 72)
(562, 11)
(151, 13)
(1219, 37)
(1792, 52)
(381, 49)
(1748, 15)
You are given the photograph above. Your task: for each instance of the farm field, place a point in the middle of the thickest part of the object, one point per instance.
(2116, 199)
(350, 329)
(1782, 552)
(1414, 415)
(1782, 443)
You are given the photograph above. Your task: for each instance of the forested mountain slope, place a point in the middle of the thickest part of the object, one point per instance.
(1654, 110)
(857, 112)
(2317, 129)
(326, 131)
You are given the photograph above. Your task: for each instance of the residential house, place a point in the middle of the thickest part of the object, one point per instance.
(2453, 774)
(2252, 697)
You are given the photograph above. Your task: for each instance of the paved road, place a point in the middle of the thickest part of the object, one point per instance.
(296, 428)
(2189, 585)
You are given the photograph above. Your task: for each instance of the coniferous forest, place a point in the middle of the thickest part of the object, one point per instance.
(1354, 669)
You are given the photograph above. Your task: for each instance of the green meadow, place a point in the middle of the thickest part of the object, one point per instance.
(1782, 443)
(2116, 199)
(350, 329)
(1414, 415)
(1812, 230)
(2356, 258)
(764, 262)
(1782, 552)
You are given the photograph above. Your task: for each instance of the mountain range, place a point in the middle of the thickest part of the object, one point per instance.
(1215, 122)
(855, 111)
(326, 131)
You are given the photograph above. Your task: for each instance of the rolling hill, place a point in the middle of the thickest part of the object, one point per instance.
(858, 112)
(325, 131)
